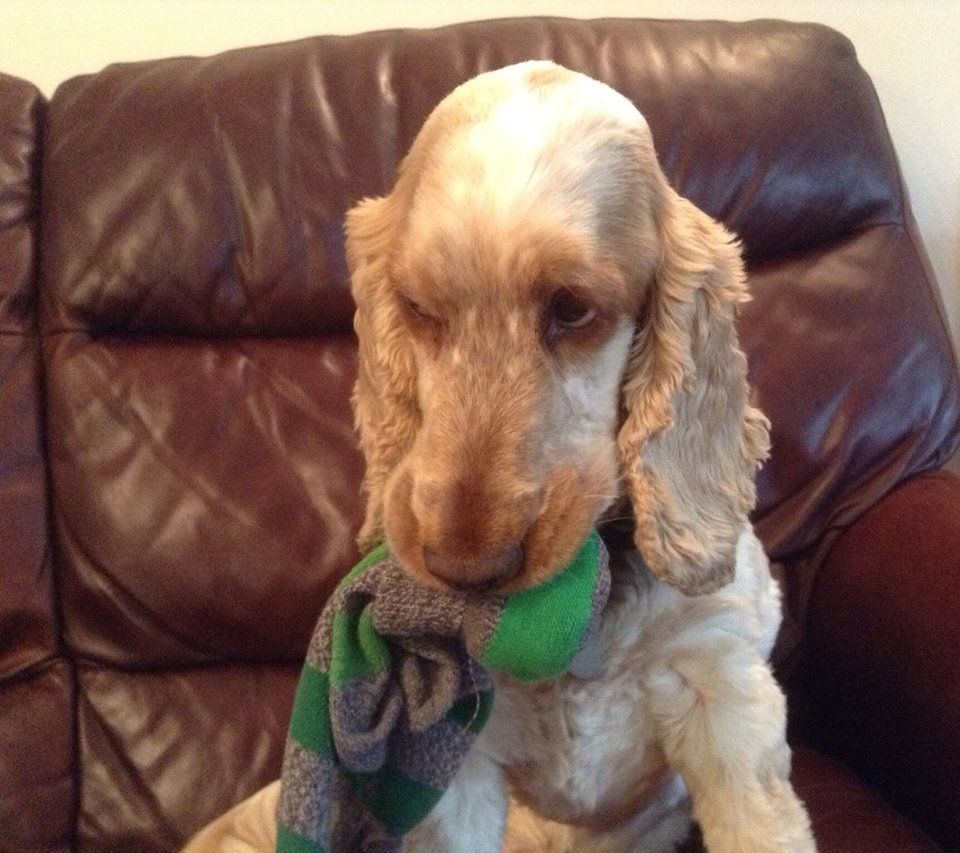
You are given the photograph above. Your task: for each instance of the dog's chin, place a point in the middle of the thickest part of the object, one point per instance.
(574, 500)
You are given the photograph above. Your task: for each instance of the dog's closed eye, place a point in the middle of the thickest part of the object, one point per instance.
(417, 309)
(567, 311)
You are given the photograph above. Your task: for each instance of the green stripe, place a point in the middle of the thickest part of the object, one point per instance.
(310, 722)
(397, 801)
(289, 841)
(471, 712)
(558, 609)
(358, 650)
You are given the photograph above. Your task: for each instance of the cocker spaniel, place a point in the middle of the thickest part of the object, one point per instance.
(547, 341)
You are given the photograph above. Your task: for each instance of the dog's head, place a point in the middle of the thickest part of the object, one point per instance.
(544, 324)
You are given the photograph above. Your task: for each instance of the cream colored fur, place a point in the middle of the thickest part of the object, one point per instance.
(547, 336)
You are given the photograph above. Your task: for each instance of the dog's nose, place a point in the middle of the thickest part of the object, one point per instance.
(476, 571)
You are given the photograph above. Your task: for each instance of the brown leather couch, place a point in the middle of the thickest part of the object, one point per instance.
(178, 471)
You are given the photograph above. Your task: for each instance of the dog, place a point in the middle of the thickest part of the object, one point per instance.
(547, 344)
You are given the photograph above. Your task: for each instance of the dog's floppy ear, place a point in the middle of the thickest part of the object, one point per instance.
(385, 404)
(691, 442)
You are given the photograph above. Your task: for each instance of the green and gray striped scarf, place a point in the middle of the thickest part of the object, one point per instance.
(396, 686)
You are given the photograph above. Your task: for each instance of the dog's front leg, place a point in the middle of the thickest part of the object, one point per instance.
(471, 816)
(722, 721)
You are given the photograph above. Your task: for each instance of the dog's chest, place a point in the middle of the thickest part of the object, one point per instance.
(577, 754)
(583, 751)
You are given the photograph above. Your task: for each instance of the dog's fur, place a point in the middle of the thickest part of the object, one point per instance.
(547, 336)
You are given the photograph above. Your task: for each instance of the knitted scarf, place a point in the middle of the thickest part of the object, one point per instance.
(396, 686)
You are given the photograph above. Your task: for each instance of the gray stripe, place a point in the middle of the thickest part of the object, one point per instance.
(432, 757)
(480, 620)
(308, 786)
(428, 675)
(590, 660)
(319, 650)
(601, 591)
(363, 713)
(403, 608)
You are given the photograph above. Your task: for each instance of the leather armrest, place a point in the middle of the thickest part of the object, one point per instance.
(881, 674)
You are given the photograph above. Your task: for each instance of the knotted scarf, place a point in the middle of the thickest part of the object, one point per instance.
(396, 685)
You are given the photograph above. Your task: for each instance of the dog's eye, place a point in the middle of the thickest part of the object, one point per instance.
(568, 311)
(415, 308)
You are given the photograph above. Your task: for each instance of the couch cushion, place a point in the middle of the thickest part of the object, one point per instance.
(206, 493)
(164, 750)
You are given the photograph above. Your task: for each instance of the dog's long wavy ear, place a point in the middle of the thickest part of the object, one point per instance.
(691, 442)
(384, 399)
